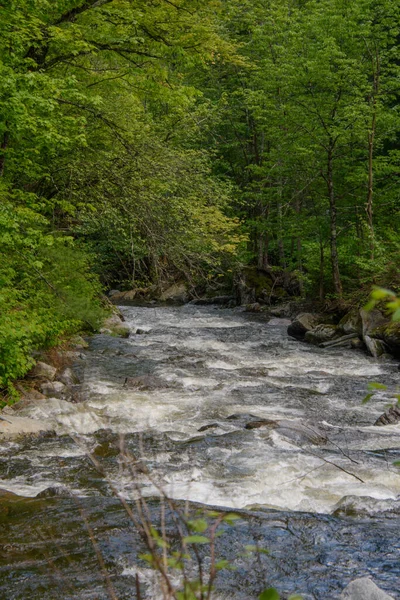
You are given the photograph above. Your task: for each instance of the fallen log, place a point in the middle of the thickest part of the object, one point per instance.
(338, 341)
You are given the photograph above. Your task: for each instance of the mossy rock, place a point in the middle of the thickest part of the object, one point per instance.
(390, 335)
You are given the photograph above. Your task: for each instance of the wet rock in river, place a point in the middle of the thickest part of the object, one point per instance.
(262, 423)
(53, 389)
(145, 383)
(54, 492)
(375, 347)
(364, 589)
(302, 323)
(115, 326)
(390, 417)
(209, 426)
(68, 377)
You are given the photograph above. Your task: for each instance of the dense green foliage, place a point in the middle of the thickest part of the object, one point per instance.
(143, 141)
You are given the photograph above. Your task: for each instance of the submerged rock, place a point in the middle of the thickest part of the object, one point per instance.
(209, 426)
(11, 426)
(115, 326)
(364, 589)
(54, 492)
(261, 423)
(145, 383)
(53, 389)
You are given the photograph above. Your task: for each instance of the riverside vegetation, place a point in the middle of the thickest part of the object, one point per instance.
(149, 142)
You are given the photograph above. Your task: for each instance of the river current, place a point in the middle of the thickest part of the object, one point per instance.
(225, 409)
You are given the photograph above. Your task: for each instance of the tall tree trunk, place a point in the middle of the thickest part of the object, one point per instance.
(263, 257)
(321, 271)
(337, 284)
(3, 148)
(371, 141)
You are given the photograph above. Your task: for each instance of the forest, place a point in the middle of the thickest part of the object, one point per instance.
(144, 142)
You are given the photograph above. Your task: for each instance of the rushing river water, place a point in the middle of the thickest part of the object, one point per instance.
(208, 377)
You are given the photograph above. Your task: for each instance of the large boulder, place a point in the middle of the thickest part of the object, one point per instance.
(68, 377)
(43, 371)
(351, 323)
(364, 589)
(53, 389)
(321, 333)
(115, 326)
(302, 323)
(371, 321)
(375, 347)
(389, 334)
(176, 292)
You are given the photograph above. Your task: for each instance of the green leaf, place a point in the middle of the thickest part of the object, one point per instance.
(196, 539)
(230, 518)
(368, 398)
(198, 525)
(376, 386)
(269, 594)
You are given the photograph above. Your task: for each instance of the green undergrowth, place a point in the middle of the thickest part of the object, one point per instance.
(47, 290)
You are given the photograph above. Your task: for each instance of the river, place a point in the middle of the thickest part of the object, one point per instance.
(226, 410)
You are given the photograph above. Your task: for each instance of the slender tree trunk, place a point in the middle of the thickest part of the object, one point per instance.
(321, 271)
(337, 284)
(371, 141)
(368, 208)
(3, 148)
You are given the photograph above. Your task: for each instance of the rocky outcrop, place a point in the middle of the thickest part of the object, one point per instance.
(364, 589)
(351, 323)
(68, 377)
(43, 371)
(359, 329)
(389, 334)
(176, 292)
(389, 417)
(371, 320)
(265, 286)
(302, 323)
(53, 389)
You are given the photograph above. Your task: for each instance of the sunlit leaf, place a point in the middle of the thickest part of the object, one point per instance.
(270, 594)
